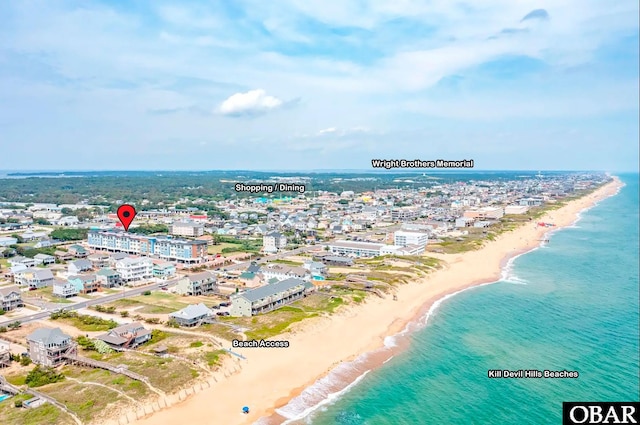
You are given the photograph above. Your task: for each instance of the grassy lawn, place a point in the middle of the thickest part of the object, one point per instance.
(89, 402)
(221, 331)
(45, 414)
(158, 302)
(217, 249)
(47, 294)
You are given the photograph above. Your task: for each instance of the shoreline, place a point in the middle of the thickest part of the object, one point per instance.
(328, 356)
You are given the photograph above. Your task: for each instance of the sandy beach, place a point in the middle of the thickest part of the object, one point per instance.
(270, 377)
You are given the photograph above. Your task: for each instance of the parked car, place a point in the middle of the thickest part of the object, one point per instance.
(224, 304)
(215, 306)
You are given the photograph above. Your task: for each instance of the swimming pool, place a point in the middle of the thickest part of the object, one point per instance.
(4, 396)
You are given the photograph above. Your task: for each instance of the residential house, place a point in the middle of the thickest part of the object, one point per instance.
(63, 255)
(68, 220)
(27, 262)
(317, 269)
(130, 335)
(34, 278)
(44, 243)
(78, 251)
(64, 289)
(5, 353)
(48, 347)
(192, 315)
(108, 278)
(10, 298)
(79, 266)
(268, 297)
(99, 260)
(44, 259)
(135, 270)
(85, 284)
(7, 241)
(164, 270)
(197, 284)
(282, 272)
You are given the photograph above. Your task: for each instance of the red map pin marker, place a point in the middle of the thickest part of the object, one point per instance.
(126, 214)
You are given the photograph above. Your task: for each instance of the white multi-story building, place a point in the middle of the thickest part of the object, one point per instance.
(404, 213)
(165, 247)
(186, 228)
(135, 269)
(404, 238)
(273, 241)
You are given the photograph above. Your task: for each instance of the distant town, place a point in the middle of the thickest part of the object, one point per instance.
(191, 275)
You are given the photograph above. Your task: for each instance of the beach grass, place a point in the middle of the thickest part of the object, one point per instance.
(219, 330)
(166, 374)
(45, 414)
(214, 358)
(88, 402)
(129, 386)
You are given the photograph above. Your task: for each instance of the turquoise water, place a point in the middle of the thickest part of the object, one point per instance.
(4, 397)
(572, 304)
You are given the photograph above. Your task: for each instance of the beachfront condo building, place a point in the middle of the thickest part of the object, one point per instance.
(372, 249)
(269, 297)
(164, 247)
(404, 238)
(484, 213)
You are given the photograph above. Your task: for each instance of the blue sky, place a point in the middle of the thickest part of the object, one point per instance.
(294, 84)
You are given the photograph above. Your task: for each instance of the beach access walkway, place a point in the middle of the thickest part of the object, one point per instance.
(122, 370)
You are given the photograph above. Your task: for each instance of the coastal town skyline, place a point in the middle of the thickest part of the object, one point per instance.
(534, 84)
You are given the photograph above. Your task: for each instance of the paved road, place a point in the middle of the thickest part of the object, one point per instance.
(125, 293)
(84, 304)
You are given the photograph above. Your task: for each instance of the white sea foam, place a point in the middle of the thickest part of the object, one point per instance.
(298, 408)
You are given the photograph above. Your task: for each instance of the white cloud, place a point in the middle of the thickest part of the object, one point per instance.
(251, 103)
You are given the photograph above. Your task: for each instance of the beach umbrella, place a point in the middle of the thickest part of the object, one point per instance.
(245, 409)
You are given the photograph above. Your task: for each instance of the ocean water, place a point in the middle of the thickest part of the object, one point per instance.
(569, 305)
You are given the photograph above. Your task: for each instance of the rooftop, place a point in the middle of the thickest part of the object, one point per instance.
(49, 336)
(270, 290)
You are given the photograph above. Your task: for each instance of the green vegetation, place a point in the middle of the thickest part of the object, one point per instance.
(85, 322)
(27, 251)
(64, 234)
(157, 302)
(287, 262)
(214, 358)
(40, 376)
(149, 229)
(279, 321)
(12, 413)
(196, 344)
